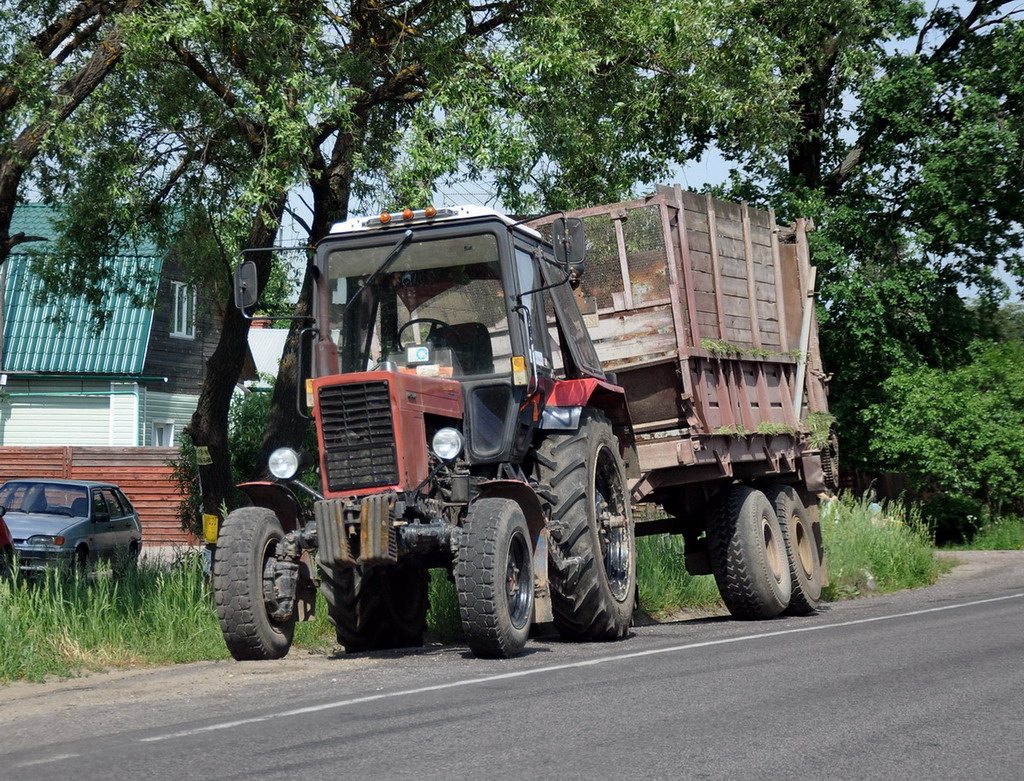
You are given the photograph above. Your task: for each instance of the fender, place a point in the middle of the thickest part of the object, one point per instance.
(276, 497)
(611, 400)
(591, 392)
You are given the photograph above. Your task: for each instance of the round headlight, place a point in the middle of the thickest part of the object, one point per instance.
(283, 463)
(447, 443)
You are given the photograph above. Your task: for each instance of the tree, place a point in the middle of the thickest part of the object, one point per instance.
(54, 55)
(958, 432)
(907, 152)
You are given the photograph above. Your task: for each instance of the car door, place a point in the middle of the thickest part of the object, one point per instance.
(118, 534)
(128, 519)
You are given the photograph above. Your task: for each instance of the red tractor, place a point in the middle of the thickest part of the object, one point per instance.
(464, 422)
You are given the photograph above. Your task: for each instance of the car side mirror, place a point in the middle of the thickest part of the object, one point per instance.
(246, 285)
(570, 244)
(101, 517)
(3, 511)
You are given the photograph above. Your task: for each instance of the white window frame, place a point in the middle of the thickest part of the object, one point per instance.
(183, 310)
(163, 425)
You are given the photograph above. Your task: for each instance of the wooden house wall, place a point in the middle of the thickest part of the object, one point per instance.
(182, 361)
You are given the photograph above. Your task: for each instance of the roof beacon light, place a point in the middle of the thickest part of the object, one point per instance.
(430, 211)
(407, 214)
(385, 218)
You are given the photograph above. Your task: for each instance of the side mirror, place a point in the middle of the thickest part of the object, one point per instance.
(246, 285)
(570, 244)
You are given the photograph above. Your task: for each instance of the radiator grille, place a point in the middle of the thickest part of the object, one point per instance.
(359, 436)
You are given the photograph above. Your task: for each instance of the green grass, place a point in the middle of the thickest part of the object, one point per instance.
(665, 586)
(1002, 534)
(883, 548)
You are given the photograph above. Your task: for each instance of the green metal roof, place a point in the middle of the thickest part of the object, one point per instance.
(33, 343)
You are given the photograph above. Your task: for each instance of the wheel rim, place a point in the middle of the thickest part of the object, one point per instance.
(612, 522)
(269, 570)
(804, 550)
(518, 585)
(776, 557)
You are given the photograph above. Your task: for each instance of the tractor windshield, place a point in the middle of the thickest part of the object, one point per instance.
(438, 309)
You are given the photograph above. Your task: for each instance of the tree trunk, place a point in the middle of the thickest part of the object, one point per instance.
(208, 428)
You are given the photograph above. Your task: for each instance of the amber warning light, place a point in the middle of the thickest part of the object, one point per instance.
(409, 214)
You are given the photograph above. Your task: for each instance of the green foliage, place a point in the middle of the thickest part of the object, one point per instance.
(819, 424)
(958, 432)
(185, 477)
(906, 153)
(952, 518)
(875, 547)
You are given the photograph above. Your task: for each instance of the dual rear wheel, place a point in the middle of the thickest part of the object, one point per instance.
(765, 552)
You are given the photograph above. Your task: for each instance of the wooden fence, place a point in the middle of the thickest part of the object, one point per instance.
(143, 473)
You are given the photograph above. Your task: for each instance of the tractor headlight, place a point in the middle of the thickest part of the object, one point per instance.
(283, 463)
(447, 443)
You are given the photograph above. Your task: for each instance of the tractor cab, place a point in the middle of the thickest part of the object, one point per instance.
(461, 294)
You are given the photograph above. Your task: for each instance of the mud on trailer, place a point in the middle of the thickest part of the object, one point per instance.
(484, 407)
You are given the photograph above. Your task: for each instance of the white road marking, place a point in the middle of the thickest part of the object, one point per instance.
(58, 758)
(558, 667)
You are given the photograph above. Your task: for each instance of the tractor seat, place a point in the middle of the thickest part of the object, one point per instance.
(471, 343)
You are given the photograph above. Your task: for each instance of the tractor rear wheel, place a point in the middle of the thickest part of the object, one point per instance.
(593, 573)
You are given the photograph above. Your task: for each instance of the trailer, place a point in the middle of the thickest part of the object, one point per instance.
(704, 311)
(485, 407)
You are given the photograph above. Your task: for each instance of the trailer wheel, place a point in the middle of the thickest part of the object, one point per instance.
(802, 547)
(748, 554)
(494, 578)
(593, 580)
(247, 544)
(377, 608)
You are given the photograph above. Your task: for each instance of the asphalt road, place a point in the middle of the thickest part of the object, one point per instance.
(925, 684)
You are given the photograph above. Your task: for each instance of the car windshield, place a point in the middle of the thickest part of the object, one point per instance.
(444, 295)
(23, 496)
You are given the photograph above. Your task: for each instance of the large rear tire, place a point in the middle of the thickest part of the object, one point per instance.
(748, 554)
(377, 608)
(494, 579)
(246, 549)
(802, 548)
(593, 582)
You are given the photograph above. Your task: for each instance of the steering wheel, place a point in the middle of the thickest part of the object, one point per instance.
(436, 326)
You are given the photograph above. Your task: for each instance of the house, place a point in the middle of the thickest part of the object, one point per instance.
(134, 383)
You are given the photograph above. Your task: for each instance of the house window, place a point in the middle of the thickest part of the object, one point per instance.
(163, 433)
(183, 319)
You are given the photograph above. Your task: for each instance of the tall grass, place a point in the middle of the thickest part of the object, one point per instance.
(875, 547)
(60, 622)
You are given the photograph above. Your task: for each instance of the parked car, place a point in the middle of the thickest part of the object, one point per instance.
(69, 521)
(6, 547)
